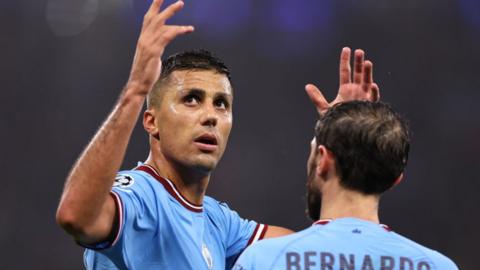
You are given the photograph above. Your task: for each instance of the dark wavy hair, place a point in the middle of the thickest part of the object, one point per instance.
(370, 142)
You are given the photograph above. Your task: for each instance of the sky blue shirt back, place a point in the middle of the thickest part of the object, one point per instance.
(159, 228)
(346, 243)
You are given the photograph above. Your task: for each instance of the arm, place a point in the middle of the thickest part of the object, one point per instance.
(274, 231)
(86, 210)
(361, 87)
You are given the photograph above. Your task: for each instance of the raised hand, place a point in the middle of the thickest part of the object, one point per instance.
(86, 210)
(154, 37)
(360, 87)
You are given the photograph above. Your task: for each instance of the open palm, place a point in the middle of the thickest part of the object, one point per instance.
(356, 86)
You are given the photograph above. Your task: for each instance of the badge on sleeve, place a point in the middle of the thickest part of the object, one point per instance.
(123, 181)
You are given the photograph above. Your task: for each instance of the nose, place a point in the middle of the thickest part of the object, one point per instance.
(209, 117)
(210, 121)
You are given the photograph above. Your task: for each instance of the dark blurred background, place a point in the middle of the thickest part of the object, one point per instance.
(64, 62)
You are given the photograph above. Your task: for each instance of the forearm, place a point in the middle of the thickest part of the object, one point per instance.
(89, 183)
(86, 210)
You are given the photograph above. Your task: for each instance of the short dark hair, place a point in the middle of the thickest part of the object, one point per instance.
(194, 59)
(370, 142)
(199, 59)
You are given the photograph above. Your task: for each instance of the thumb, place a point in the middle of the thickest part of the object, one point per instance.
(316, 97)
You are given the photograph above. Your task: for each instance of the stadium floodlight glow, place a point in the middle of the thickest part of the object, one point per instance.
(70, 17)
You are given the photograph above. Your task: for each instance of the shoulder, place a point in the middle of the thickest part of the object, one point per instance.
(216, 208)
(257, 256)
(135, 179)
(211, 202)
(220, 211)
(441, 261)
(264, 254)
(279, 244)
(139, 185)
(436, 258)
(129, 178)
(215, 204)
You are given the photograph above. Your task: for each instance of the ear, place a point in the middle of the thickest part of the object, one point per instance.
(324, 161)
(398, 180)
(149, 124)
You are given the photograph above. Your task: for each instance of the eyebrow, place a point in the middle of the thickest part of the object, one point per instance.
(226, 96)
(202, 93)
(195, 91)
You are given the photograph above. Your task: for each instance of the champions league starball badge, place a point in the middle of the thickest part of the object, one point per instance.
(123, 181)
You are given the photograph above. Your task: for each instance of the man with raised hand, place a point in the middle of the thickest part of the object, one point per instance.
(360, 151)
(157, 216)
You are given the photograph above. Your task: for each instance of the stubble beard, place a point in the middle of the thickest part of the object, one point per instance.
(314, 198)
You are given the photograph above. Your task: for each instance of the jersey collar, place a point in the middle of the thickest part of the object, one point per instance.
(328, 220)
(322, 221)
(170, 187)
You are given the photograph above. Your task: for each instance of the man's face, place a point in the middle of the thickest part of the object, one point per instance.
(195, 118)
(314, 197)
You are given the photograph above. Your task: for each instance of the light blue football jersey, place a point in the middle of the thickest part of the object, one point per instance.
(345, 243)
(160, 229)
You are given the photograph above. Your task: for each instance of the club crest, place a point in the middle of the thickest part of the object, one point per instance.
(207, 256)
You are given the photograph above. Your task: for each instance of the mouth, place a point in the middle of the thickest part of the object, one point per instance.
(207, 142)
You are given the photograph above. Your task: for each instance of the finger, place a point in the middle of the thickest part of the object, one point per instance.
(154, 8)
(375, 92)
(367, 75)
(316, 97)
(172, 31)
(345, 66)
(358, 62)
(150, 14)
(171, 10)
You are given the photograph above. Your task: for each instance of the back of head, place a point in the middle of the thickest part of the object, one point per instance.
(370, 143)
(188, 60)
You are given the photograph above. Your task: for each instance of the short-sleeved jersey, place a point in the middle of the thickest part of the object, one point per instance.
(347, 244)
(160, 229)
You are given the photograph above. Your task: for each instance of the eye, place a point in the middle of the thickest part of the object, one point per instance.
(191, 100)
(221, 103)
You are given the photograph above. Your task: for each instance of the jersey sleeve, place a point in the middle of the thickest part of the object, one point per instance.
(240, 232)
(135, 202)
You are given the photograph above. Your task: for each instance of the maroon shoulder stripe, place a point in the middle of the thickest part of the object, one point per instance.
(258, 233)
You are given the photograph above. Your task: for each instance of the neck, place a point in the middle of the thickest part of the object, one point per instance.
(338, 202)
(191, 183)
